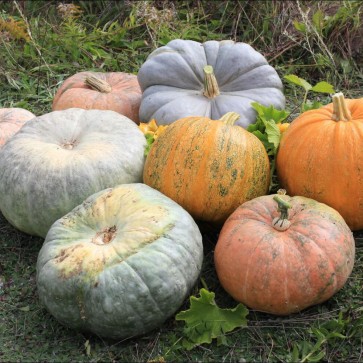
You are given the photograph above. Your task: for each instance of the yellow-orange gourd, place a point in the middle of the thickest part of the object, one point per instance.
(209, 167)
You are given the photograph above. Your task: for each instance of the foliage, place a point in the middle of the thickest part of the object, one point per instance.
(206, 321)
(320, 87)
(107, 35)
(267, 130)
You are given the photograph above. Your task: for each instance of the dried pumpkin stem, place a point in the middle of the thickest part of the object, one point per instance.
(211, 88)
(98, 84)
(340, 109)
(230, 118)
(282, 222)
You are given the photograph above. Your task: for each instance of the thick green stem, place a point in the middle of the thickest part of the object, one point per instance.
(98, 84)
(230, 118)
(211, 88)
(340, 109)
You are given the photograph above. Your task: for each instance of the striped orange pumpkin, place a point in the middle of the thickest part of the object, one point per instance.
(209, 167)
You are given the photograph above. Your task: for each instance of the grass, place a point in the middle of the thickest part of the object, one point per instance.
(29, 333)
(320, 44)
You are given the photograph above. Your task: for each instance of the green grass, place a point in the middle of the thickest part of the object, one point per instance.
(29, 333)
(118, 36)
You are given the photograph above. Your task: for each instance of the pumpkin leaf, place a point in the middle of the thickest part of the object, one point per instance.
(206, 321)
(292, 78)
(265, 127)
(323, 87)
(149, 141)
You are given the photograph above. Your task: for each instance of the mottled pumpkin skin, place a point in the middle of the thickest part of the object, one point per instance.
(283, 272)
(207, 167)
(11, 120)
(322, 159)
(124, 98)
(129, 282)
(58, 159)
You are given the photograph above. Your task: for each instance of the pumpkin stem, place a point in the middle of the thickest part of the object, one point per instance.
(98, 84)
(230, 118)
(340, 109)
(282, 222)
(211, 88)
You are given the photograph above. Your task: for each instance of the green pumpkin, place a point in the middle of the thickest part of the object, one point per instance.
(59, 159)
(121, 263)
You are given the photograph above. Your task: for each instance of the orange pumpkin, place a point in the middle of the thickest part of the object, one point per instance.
(11, 120)
(207, 166)
(116, 91)
(321, 157)
(281, 254)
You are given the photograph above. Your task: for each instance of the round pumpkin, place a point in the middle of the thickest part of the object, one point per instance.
(321, 157)
(207, 166)
(58, 159)
(11, 120)
(281, 256)
(188, 78)
(116, 91)
(121, 263)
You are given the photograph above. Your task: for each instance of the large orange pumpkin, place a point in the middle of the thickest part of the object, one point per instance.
(11, 120)
(207, 166)
(115, 91)
(281, 264)
(321, 157)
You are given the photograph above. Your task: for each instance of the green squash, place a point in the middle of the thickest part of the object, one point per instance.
(59, 159)
(121, 263)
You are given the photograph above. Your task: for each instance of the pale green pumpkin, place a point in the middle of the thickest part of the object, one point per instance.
(121, 263)
(57, 160)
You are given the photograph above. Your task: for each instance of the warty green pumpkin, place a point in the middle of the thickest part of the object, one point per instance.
(121, 263)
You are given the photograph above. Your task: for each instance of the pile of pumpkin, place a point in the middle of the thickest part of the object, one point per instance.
(122, 248)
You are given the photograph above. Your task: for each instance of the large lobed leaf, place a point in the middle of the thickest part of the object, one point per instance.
(205, 321)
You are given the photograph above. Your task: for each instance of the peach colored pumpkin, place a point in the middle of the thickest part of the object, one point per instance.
(284, 263)
(115, 91)
(11, 120)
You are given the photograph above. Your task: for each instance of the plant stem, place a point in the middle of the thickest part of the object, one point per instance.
(230, 118)
(340, 109)
(98, 84)
(211, 88)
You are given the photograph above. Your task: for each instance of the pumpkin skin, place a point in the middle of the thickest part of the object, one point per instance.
(58, 159)
(119, 92)
(322, 158)
(173, 81)
(283, 272)
(11, 120)
(121, 263)
(208, 167)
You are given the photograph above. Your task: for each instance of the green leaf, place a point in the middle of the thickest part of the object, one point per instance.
(273, 135)
(311, 105)
(205, 321)
(323, 87)
(317, 357)
(318, 20)
(149, 141)
(292, 78)
(301, 27)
